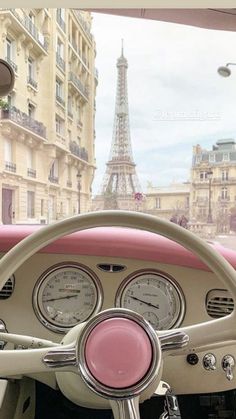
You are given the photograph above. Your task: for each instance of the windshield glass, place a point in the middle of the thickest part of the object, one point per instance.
(112, 112)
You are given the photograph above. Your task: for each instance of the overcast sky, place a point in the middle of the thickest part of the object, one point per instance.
(176, 97)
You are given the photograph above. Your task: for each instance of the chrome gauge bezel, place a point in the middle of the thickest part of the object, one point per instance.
(43, 278)
(135, 275)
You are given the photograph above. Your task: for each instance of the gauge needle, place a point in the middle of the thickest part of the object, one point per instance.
(60, 298)
(144, 302)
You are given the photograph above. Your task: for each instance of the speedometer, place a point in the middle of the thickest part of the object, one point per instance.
(66, 295)
(155, 296)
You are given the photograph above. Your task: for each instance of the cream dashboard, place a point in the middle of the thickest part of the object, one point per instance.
(53, 291)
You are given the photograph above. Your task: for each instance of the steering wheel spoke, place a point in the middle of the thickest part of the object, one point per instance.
(29, 361)
(202, 336)
(125, 408)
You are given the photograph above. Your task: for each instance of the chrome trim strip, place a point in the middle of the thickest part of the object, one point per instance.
(96, 386)
(60, 358)
(173, 340)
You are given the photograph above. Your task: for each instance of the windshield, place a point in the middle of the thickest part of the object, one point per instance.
(112, 112)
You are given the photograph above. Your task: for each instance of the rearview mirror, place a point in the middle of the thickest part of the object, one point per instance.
(7, 78)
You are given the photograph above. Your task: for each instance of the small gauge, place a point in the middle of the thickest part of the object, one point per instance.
(66, 295)
(155, 296)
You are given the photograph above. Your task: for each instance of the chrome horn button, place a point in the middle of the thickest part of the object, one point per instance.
(119, 354)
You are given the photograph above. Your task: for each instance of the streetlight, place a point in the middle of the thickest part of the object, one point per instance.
(224, 71)
(79, 188)
(209, 217)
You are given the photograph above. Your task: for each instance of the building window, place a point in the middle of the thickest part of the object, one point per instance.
(225, 175)
(30, 204)
(59, 92)
(211, 158)
(54, 168)
(158, 202)
(60, 124)
(203, 176)
(9, 49)
(8, 150)
(31, 110)
(60, 48)
(225, 156)
(224, 193)
(30, 159)
(198, 159)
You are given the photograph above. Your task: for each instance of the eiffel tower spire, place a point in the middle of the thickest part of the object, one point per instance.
(120, 178)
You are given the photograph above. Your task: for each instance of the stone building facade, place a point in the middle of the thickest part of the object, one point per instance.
(168, 201)
(47, 129)
(213, 185)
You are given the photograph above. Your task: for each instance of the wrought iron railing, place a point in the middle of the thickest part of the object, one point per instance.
(11, 167)
(32, 82)
(78, 84)
(31, 173)
(53, 179)
(60, 100)
(83, 23)
(24, 120)
(25, 20)
(78, 151)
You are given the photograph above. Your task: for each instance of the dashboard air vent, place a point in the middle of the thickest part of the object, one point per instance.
(219, 303)
(8, 288)
(109, 267)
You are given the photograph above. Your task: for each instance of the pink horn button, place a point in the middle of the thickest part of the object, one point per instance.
(118, 353)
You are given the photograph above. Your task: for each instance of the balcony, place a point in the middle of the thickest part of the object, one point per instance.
(32, 83)
(12, 64)
(202, 200)
(10, 167)
(60, 100)
(23, 120)
(60, 62)
(60, 21)
(78, 151)
(69, 184)
(220, 180)
(78, 85)
(223, 198)
(53, 179)
(23, 23)
(83, 24)
(31, 173)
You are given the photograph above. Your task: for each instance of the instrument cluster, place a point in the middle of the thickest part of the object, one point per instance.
(70, 293)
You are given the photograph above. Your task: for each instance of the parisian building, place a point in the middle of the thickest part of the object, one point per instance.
(47, 129)
(213, 185)
(169, 202)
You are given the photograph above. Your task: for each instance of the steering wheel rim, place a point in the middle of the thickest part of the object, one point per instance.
(215, 332)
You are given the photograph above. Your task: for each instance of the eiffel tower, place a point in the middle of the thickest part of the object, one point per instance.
(121, 188)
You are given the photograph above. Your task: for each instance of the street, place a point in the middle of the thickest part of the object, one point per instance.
(227, 240)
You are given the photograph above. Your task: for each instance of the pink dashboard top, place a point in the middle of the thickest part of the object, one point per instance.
(114, 242)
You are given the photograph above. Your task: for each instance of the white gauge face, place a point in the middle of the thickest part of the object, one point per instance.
(155, 297)
(65, 296)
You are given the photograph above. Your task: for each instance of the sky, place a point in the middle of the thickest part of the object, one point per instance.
(176, 97)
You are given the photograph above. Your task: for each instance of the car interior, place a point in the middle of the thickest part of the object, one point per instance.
(117, 313)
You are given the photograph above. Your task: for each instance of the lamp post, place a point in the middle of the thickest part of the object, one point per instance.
(209, 217)
(224, 71)
(79, 188)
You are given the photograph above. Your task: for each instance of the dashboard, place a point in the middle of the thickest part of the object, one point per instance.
(68, 282)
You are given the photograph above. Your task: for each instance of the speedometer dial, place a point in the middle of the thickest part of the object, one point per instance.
(66, 295)
(155, 296)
